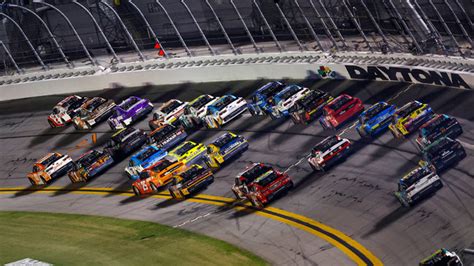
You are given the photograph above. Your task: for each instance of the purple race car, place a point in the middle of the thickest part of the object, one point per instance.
(129, 111)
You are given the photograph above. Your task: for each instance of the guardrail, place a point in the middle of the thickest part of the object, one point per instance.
(454, 72)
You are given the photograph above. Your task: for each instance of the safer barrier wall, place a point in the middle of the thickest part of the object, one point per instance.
(234, 68)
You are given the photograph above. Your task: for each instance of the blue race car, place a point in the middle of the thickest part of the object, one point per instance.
(144, 158)
(262, 99)
(375, 119)
(438, 127)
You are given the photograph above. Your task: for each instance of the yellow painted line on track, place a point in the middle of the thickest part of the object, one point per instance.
(355, 251)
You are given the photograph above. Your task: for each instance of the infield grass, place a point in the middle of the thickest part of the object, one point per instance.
(67, 239)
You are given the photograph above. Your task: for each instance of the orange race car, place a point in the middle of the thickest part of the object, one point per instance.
(51, 166)
(157, 176)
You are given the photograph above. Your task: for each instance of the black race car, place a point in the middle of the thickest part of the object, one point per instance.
(310, 107)
(438, 127)
(443, 153)
(125, 141)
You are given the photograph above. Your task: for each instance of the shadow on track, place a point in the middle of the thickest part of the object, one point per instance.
(45, 135)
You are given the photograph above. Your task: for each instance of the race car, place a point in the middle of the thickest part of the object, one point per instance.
(65, 111)
(129, 111)
(92, 112)
(90, 164)
(442, 257)
(310, 107)
(340, 111)
(438, 127)
(190, 153)
(224, 148)
(196, 110)
(267, 186)
(328, 152)
(190, 181)
(167, 136)
(286, 98)
(417, 184)
(375, 120)
(157, 176)
(261, 101)
(224, 110)
(50, 167)
(168, 113)
(144, 158)
(242, 181)
(409, 118)
(443, 153)
(125, 141)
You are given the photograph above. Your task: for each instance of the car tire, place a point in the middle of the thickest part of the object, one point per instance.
(256, 203)
(44, 181)
(236, 195)
(51, 124)
(136, 191)
(32, 182)
(313, 167)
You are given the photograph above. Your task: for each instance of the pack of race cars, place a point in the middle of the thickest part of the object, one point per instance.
(164, 158)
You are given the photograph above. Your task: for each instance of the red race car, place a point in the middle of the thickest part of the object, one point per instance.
(341, 110)
(267, 186)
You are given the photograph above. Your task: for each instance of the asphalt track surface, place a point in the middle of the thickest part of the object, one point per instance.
(354, 198)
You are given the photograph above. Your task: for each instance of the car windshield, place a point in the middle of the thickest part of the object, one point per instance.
(201, 101)
(413, 177)
(51, 159)
(163, 132)
(168, 108)
(326, 144)
(184, 148)
(266, 179)
(127, 104)
(407, 109)
(160, 166)
(55, 111)
(256, 171)
(146, 154)
(224, 139)
(120, 136)
(373, 111)
(191, 173)
(224, 101)
(94, 103)
(439, 146)
(339, 102)
(88, 159)
(435, 123)
(270, 89)
(289, 91)
(311, 98)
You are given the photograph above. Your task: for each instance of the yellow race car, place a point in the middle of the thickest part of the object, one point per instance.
(193, 179)
(409, 118)
(225, 148)
(190, 153)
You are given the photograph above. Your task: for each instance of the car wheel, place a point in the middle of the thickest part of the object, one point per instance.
(236, 195)
(153, 187)
(43, 181)
(256, 203)
(136, 191)
(32, 182)
(51, 124)
(313, 167)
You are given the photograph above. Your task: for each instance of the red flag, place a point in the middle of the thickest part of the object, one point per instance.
(157, 46)
(161, 53)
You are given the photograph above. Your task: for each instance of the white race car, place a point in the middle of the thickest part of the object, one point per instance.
(286, 98)
(66, 110)
(168, 113)
(417, 184)
(328, 152)
(224, 110)
(51, 166)
(196, 111)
